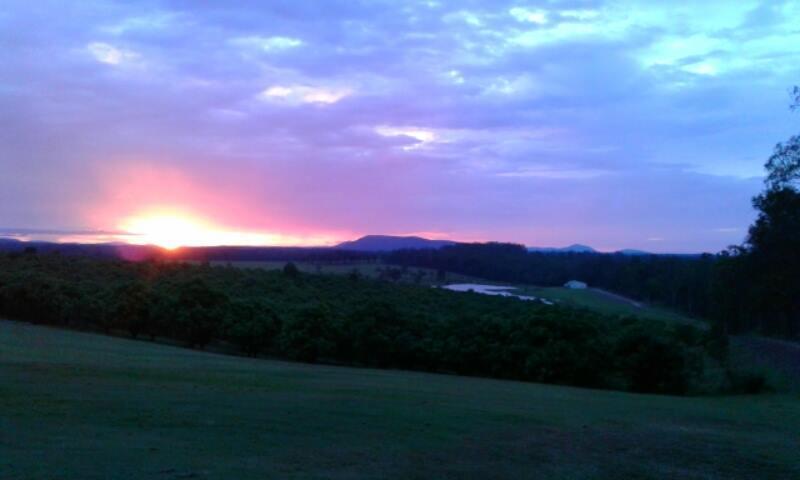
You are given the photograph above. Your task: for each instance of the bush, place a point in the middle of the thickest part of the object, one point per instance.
(747, 382)
(652, 362)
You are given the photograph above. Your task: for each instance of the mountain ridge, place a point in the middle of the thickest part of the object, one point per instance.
(386, 243)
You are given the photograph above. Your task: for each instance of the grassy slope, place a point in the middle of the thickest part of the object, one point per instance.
(595, 300)
(76, 405)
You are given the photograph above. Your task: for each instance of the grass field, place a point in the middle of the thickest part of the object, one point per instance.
(77, 405)
(607, 303)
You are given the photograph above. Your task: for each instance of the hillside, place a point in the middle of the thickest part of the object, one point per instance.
(99, 407)
(387, 243)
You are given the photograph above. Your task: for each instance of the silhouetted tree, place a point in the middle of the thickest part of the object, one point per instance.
(759, 285)
(291, 270)
(783, 167)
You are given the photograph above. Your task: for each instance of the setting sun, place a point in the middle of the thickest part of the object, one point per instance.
(170, 231)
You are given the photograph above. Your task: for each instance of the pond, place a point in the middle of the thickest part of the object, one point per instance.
(499, 290)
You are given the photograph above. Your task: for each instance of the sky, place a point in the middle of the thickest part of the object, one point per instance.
(634, 124)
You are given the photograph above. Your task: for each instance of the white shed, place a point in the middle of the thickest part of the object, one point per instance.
(575, 285)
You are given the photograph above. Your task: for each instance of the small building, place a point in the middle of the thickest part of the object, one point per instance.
(575, 285)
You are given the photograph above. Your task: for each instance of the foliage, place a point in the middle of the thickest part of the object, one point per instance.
(319, 318)
(291, 270)
(252, 325)
(783, 166)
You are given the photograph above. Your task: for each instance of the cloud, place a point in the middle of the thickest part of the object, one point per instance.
(553, 173)
(24, 232)
(579, 14)
(538, 17)
(269, 44)
(142, 23)
(295, 94)
(419, 136)
(540, 123)
(105, 53)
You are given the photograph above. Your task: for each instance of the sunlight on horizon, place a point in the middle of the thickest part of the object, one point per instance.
(171, 230)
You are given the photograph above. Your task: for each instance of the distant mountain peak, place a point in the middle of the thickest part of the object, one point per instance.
(387, 243)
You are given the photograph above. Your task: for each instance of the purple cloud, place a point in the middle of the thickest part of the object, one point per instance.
(619, 126)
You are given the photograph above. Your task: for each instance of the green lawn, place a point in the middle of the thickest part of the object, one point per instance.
(594, 300)
(84, 406)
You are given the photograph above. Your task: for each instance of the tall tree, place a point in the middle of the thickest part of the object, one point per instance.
(783, 167)
(770, 258)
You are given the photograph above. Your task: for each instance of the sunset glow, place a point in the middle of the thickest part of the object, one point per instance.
(173, 230)
(169, 231)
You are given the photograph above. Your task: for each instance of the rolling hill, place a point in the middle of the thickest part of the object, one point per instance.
(387, 243)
